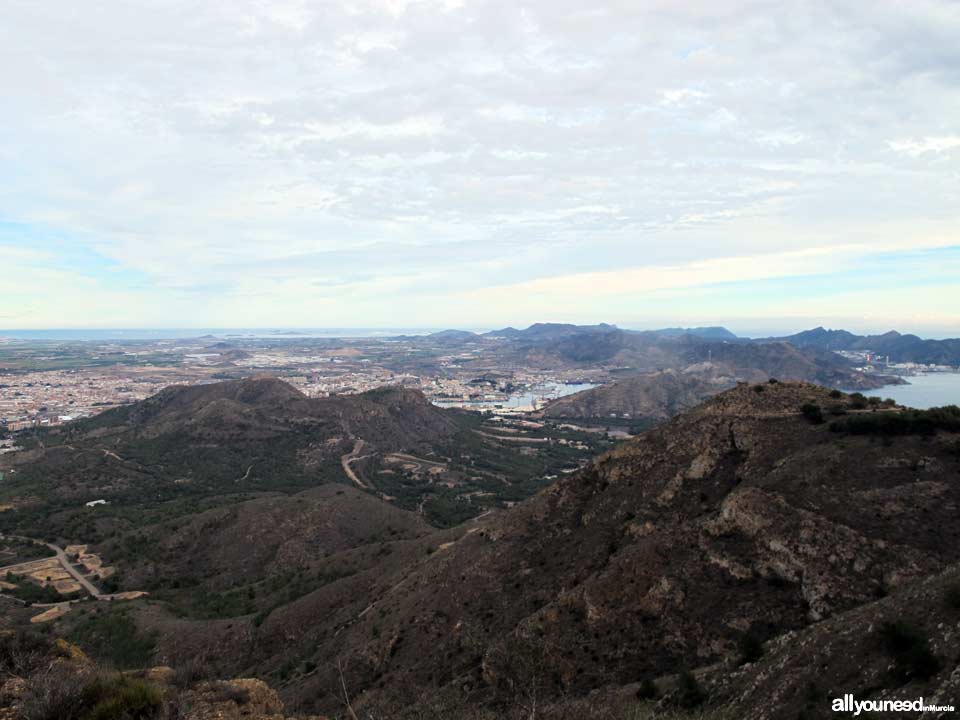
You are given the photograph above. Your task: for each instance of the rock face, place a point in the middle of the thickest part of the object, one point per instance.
(232, 700)
(852, 653)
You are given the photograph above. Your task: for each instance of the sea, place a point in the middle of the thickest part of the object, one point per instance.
(924, 391)
(119, 334)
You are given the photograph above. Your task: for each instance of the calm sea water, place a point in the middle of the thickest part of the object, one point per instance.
(924, 391)
(81, 335)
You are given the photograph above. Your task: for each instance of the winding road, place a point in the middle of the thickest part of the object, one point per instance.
(353, 456)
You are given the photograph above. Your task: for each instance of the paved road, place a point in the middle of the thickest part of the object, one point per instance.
(69, 567)
(65, 563)
(74, 573)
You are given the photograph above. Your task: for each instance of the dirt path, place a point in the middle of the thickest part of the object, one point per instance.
(111, 454)
(352, 456)
(414, 459)
(513, 439)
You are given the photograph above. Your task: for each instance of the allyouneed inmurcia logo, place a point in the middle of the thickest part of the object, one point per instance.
(848, 704)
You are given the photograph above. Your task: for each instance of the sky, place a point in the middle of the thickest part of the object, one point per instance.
(768, 166)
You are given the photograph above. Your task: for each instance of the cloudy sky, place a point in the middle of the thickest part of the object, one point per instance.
(469, 163)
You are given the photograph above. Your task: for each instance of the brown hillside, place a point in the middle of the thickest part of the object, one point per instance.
(739, 517)
(652, 397)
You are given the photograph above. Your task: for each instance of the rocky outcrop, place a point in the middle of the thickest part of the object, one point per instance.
(57, 680)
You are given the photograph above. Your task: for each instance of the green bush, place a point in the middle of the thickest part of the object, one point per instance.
(689, 692)
(122, 698)
(750, 648)
(647, 690)
(34, 594)
(910, 650)
(812, 412)
(906, 422)
(113, 637)
(952, 596)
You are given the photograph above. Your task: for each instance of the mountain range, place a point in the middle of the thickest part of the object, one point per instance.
(609, 339)
(898, 347)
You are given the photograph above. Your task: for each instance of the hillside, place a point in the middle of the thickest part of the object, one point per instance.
(898, 347)
(607, 346)
(747, 530)
(649, 398)
(758, 362)
(192, 448)
(742, 518)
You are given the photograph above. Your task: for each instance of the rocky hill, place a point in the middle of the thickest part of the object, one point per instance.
(187, 445)
(649, 397)
(744, 519)
(897, 346)
(758, 362)
(675, 348)
(707, 562)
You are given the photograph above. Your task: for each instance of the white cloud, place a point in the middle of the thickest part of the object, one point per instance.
(208, 143)
(916, 147)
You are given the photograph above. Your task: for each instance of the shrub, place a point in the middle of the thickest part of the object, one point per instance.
(910, 651)
(122, 698)
(906, 422)
(750, 648)
(758, 389)
(113, 637)
(836, 394)
(952, 596)
(23, 653)
(812, 412)
(33, 594)
(773, 381)
(54, 694)
(858, 401)
(689, 692)
(191, 672)
(647, 690)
